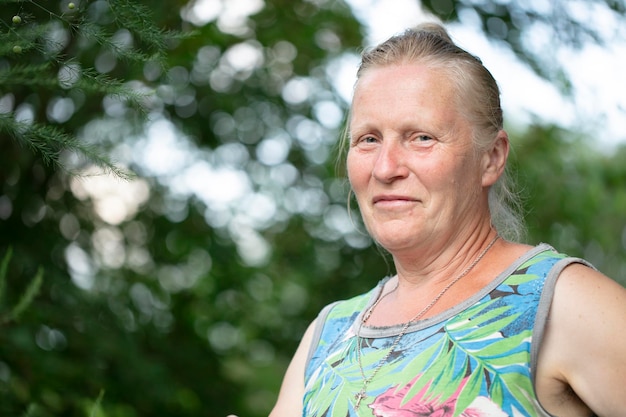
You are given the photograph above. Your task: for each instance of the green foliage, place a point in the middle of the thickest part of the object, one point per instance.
(26, 299)
(512, 24)
(50, 141)
(37, 56)
(178, 322)
(574, 195)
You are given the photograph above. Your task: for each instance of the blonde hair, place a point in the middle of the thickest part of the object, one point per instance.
(478, 100)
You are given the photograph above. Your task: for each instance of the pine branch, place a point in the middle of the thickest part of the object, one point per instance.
(36, 60)
(49, 141)
(97, 405)
(93, 82)
(138, 18)
(27, 297)
(4, 266)
(29, 75)
(95, 33)
(86, 80)
(25, 37)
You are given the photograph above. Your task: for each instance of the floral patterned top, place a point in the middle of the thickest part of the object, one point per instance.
(474, 360)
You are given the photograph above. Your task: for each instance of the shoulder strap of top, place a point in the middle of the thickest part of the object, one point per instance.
(323, 315)
(319, 326)
(543, 309)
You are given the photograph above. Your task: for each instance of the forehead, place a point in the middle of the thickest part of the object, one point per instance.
(415, 76)
(407, 90)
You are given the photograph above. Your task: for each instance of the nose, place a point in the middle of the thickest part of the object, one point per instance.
(390, 164)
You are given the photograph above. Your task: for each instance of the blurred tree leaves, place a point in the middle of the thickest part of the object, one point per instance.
(574, 196)
(535, 31)
(185, 289)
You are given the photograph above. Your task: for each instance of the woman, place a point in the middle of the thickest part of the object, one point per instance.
(471, 324)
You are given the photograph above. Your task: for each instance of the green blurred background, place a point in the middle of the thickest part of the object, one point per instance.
(184, 290)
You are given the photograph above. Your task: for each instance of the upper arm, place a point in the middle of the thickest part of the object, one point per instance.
(587, 338)
(289, 403)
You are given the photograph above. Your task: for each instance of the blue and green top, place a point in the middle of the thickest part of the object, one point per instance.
(477, 359)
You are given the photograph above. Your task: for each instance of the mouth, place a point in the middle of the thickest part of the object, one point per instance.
(392, 199)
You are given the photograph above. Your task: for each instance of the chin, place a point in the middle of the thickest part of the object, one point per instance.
(394, 244)
(399, 235)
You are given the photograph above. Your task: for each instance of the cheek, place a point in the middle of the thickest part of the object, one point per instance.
(468, 182)
(355, 169)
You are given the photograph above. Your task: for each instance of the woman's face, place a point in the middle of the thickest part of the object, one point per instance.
(412, 165)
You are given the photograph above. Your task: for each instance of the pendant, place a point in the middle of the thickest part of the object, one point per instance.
(358, 397)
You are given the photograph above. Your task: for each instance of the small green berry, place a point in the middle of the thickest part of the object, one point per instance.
(17, 49)
(71, 6)
(17, 20)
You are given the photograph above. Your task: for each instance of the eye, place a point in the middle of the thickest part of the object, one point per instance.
(365, 140)
(369, 139)
(423, 138)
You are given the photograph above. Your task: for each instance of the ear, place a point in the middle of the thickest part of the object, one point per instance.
(494, 159)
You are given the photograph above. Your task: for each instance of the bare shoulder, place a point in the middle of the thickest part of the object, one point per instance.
(289, 401)
(582, 362)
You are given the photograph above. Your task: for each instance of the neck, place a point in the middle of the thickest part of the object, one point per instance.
(441, 262)
(459, 277)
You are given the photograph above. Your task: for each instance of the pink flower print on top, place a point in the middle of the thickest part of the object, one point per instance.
(389, 404)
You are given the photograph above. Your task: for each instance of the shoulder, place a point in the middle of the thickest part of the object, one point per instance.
(584, 295)
(585, 345)
(289, 402)
(336, 318)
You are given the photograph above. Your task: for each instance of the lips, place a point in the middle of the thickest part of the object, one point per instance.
(388, 199)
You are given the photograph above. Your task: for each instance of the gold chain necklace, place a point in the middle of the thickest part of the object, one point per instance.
(361, 395)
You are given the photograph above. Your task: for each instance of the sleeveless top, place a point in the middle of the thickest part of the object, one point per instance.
(476, 359)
